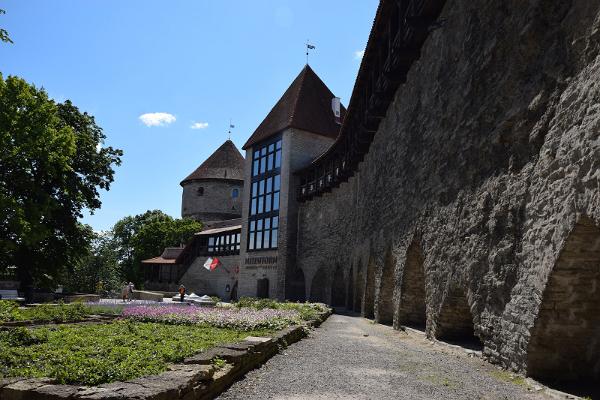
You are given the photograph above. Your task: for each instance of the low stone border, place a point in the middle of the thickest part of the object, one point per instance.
(197, 378)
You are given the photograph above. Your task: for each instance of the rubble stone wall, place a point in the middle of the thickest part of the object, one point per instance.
(487, 158)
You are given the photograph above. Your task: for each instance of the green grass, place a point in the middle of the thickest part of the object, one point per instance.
(507, 376)
(100, 353)
(442, 381)
(307, 311)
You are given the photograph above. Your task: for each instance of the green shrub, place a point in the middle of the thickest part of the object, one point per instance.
(8, 310)
(307, 311)
(102, 353)
(20, 336)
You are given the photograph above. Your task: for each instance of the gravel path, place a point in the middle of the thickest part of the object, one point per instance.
(352, 358)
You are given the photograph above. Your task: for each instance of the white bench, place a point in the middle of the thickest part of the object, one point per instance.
(10, 295)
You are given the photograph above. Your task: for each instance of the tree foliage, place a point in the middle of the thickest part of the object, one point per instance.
(3, 33)
(51, 168)
(143, 236)
(123, 232)
(99, 270)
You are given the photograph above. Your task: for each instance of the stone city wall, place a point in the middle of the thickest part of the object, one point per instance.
(486, 165)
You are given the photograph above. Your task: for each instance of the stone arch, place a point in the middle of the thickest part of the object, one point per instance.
(358, 289)
(297, 286)
(350, 292)
(565, 339)
(368, 309)
(318, 287)
(455, 321)
(412, 307)
(338, 288)
(385, 300)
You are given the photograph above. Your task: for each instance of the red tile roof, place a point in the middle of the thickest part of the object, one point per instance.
(168, 256)
(225, 163)
(305, 105)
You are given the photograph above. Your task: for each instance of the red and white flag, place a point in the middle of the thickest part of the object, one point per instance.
(212, 263)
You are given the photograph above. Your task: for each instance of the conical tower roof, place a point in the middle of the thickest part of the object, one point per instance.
(224, 164)
(305, 105)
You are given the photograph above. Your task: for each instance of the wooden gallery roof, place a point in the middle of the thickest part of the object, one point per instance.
(398, 33)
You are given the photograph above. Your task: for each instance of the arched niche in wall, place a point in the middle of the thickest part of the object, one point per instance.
(385, 306)
(369, 297)
(297, 286)
(412, 309)
(318, 287)
(565, 340)
(455, 321)
(338, 288)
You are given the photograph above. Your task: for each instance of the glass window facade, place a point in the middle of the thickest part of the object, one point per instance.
(265, 191)
(224, 244)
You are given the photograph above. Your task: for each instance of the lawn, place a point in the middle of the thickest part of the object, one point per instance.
(100, 353)
(142, 341)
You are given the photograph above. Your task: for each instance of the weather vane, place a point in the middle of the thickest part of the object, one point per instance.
(231, 126)
(308, 47)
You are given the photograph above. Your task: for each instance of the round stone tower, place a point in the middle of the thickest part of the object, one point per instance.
(213, 192)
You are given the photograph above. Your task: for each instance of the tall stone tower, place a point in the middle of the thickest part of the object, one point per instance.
(213, 192)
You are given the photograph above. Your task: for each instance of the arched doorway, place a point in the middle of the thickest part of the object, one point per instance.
(262, 288)
(385, 306)
(565, 340)
(338, 288)
(297, 286)
(455, 322)
(412, 310)
(369, 303)
(318, 287)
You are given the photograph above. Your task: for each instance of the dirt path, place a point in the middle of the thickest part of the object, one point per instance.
(352, 358)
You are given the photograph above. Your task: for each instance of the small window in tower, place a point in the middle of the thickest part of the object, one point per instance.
(200, 191)
(235, 193)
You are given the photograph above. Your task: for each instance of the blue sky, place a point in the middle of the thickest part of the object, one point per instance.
(200, 61)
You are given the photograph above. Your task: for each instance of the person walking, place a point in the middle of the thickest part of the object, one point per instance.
(181, 292)
(130, 288)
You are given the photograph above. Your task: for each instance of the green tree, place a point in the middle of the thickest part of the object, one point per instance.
(154, 236)
(99, 271)
(3, 33)
(123, 233)
(51, 168)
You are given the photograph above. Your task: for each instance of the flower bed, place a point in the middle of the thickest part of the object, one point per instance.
(101, 353)
(243, 319)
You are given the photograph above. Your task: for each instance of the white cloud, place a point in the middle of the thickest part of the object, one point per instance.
(199, 125)
(358, 55)
(157, 119)
(98, 147)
